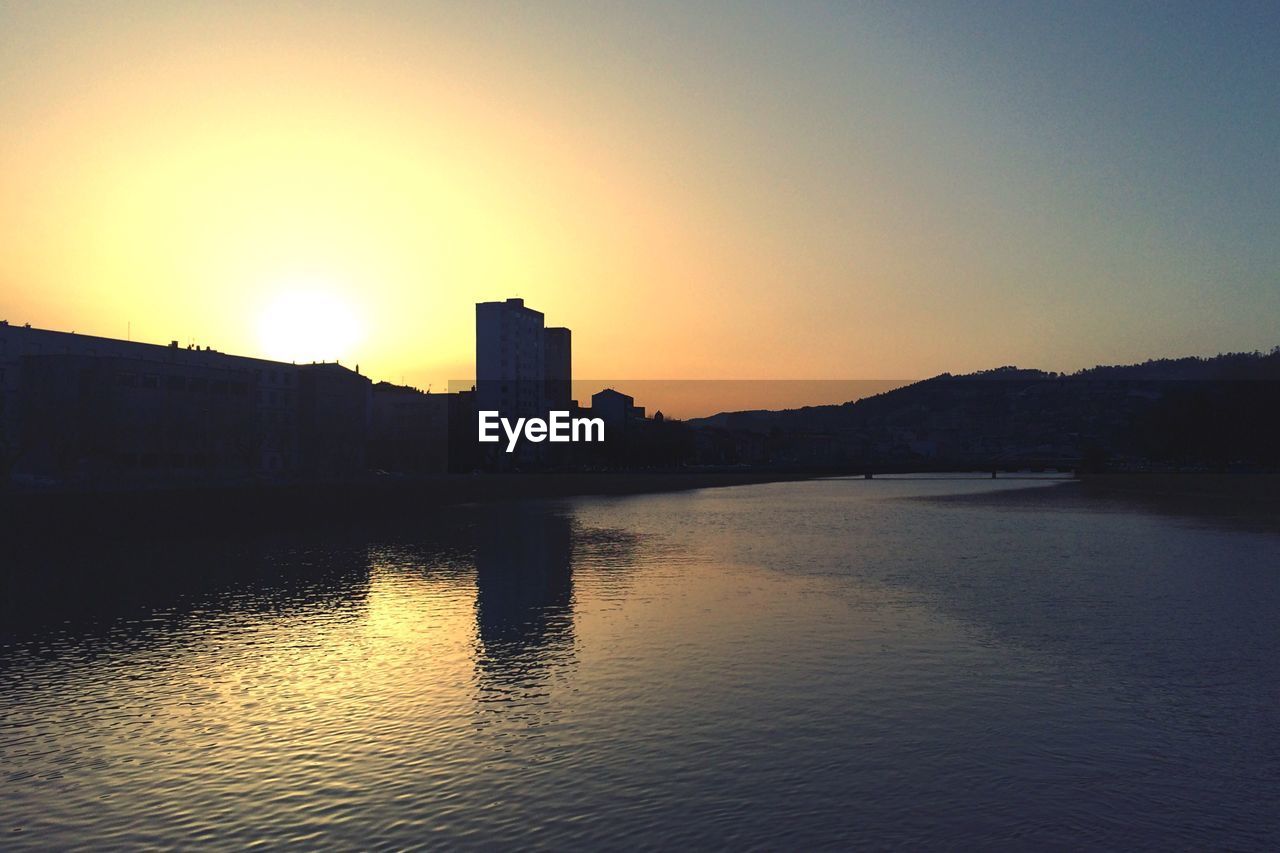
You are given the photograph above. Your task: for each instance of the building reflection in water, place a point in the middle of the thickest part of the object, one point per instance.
(524, 601)
(470, 613)
(149, 591)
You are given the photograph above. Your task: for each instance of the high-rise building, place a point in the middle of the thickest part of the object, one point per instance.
(510, 359)
(523, 369)
(558, 358)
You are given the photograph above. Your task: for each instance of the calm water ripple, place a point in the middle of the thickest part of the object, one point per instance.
(805, 665)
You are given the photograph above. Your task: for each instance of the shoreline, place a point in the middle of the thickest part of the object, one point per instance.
(1238, 501)
(247, 510)
(1260, 487)
(250, 510)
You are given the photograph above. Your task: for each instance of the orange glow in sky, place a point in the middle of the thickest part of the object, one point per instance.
(707, 193)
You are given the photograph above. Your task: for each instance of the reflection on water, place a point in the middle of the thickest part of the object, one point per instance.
(524, 612)
(65, 593)
(791, 665)
(524, 593)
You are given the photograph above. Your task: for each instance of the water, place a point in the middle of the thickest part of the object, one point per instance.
(787, 666)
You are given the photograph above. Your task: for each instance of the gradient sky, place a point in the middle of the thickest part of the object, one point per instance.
(792, 190)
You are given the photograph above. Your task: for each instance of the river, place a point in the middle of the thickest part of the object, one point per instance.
(910, 662)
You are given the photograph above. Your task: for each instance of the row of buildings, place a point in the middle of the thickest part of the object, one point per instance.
(91, 411)
(524, 368)
(80, 409)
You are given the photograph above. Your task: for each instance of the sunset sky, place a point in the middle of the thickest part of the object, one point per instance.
(790, 190)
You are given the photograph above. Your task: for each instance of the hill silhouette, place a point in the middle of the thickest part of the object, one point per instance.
(1215, 412)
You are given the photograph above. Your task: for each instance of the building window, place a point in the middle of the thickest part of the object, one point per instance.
(150, 380)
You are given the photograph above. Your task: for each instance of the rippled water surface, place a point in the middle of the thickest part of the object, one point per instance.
(797, 665)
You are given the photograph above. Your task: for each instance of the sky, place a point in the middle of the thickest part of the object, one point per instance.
(699, 190)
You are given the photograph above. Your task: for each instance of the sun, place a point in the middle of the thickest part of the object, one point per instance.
(305, 324)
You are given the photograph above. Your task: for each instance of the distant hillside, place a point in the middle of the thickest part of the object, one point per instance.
(1197, 411)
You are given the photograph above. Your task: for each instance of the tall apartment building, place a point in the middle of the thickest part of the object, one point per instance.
(510, 358)
(523, 369)
(558, 361)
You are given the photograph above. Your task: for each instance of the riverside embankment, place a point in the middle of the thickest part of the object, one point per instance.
(235, 510)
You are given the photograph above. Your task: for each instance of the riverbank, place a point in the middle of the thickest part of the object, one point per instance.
(254, 509)
(1239, 501)
(1264, 488)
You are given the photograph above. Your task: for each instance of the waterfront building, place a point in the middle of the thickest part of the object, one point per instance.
(90, 410)
(510, 359)
(113, 420)
(334, 409)
(558, 368)
(409, 430)
(615, 408)
(523, 369)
